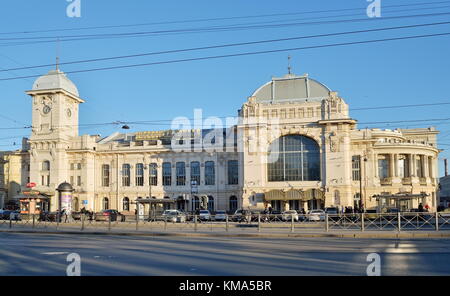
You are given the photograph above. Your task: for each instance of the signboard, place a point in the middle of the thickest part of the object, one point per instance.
(84, 202)
(154, 135)
(66, 202)
(31, 185)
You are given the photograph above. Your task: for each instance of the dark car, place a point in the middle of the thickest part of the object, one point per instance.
(50, 217)
(10, 215)
(109, 215)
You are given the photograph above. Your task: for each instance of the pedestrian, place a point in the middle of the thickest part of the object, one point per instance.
(420, 208)
(427, 207)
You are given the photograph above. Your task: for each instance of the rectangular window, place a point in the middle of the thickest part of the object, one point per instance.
(266, 114)
(233, 172)
(79, 166)
(283, 113)
(139, 174)
(210, 173)
(301, 113)
(383, 167)
(356, 167)
(72, 180)
(195, 172)
(105, 175)
(78, 180)
(153, 174)
(291, 113)
(126, 175)
(167, 173)
(310, 112)
(181, 173)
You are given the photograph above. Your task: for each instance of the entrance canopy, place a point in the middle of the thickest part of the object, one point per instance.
(294, 194)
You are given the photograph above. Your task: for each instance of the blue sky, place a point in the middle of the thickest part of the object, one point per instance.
(369, 75)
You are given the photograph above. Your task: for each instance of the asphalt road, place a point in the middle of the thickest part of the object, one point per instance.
(45, 254)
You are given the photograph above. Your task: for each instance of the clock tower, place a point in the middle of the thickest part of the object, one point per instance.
(55, 104)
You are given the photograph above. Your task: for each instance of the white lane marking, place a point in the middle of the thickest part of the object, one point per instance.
(55, 253)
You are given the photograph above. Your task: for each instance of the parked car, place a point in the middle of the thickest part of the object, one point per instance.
(220, 216)
(288, 215)
(50, 217)
(241, 215)
(333, 213)
(174, 216)
(109, 215)
(204, 215)
(78, 215)
(10, 215)
(316, 215)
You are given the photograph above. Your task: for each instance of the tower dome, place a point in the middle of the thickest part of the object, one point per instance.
(55, 79)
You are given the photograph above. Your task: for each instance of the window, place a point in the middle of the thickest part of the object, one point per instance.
(195, 203)
(195, 172)
(181, 173)
(126, 174)
(356, 201)
(419, 166)
(78, 180)
(233, 204)
(233, 172)
(310, 112)
(72, 166)
(126, 204)
(294, 158)
(153, 174)
(48, 180)
(403, 166)
(46, 166)
(140, 174)
(211, 204)
(79, 166)
(105, 175)
(356, 167)
(167, 173)
(72, 180)
(105, 203)
(383, 166)
(210, 173)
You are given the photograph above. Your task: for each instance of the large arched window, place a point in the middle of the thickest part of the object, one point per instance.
(294, 158)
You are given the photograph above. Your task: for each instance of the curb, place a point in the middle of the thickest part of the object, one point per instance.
(244, 235)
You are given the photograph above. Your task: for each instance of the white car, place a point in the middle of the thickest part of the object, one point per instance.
(316, 215)
(220, 216)
(204, 215)
(174, 216)
(288, 215)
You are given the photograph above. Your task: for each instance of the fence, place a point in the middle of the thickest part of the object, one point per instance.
(255, 222)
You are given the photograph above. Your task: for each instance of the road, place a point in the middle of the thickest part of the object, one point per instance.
(45, 254)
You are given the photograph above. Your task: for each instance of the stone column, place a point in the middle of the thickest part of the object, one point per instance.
(392, 165)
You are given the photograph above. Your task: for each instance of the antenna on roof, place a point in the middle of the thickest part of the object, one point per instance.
(289, 65)
(57, 54)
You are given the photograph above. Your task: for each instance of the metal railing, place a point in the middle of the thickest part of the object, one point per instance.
(256, 222)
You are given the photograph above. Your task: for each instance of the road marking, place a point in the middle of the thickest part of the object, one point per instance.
(55, 253)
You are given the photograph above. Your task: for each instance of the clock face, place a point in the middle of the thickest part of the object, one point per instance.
(46, 109)
(69, 113)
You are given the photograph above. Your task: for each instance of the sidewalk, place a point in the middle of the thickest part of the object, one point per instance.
(206, 231)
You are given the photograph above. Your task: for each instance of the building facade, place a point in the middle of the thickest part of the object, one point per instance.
(294, 146)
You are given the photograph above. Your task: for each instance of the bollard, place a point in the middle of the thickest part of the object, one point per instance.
(292, 223)
(259, 222)
(326, 223)
(82, 222)
(33, 220)
(399, 222)
(195, 223)
(226, 223)
(437, 221)
(362, 222)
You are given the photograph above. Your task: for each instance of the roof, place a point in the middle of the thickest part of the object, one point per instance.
(291, 88)
(55, 79)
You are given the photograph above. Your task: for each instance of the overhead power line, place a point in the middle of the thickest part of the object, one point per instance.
(363, 8)
(239, 54)
(229, 45)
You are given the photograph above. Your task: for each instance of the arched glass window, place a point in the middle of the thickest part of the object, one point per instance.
(46, 166)
(233, 204)
(126, 173)
(195, 203)
(195, 172)
(181, 173)
(356, 201)
(294, 158)
(153, 174)
(210, 174)
(140, 174)
(210, 203)
(105, 175)
(126, 204)
(105, 203)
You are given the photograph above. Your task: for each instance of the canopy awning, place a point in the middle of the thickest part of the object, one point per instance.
(294, 194)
